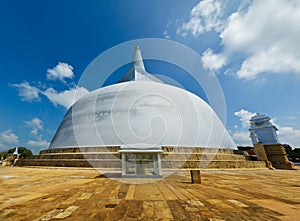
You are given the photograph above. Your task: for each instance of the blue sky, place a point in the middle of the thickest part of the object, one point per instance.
(252, 46)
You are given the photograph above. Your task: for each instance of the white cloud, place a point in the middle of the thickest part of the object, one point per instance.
(240, 135)
(213, 61)
(241, 138)
(166, 34)
(205, 16)
(65, 98)
(264, 34)
(34, 132)
(39, 143)
(244, 116)
(290, 118)
(27, 92)
(60, 71)
(288, 135)
(35, 123)
(267, 32)
(9, 137)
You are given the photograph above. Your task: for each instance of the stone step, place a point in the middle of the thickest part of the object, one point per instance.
(78, 156)
(214, 164)
(197, 150)
(172, 158)
(116, 164)
(116, 148)
(71, 163)
(114, 155)
(202, 156)
(81, 149)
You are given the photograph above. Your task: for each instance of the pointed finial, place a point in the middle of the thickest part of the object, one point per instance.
(137, 71)
(137, 58)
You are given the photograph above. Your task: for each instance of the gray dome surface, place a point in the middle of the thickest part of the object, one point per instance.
(141, 113)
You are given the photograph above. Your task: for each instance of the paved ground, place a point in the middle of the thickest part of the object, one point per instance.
(68, 194)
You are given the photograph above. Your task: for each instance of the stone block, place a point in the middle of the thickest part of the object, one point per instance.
(195, 176)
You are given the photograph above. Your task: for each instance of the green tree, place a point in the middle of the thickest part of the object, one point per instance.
(293, 155)
(23, 151)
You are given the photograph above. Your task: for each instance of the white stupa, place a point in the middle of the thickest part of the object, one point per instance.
(140, 111)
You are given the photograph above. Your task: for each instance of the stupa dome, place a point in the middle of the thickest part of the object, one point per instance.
(141, 111)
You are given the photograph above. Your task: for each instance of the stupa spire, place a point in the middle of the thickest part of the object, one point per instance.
(137, 71)
(137, 59)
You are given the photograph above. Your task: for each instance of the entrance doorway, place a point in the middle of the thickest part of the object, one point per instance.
(141, 163)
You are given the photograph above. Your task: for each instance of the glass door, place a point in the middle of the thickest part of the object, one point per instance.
(142, 164)
(130, 164)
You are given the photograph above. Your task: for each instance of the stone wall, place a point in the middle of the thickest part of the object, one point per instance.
(172, 158)
(274, 154)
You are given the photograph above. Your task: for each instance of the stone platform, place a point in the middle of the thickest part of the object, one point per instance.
(173, 158)
(274, 154)
(52, 194)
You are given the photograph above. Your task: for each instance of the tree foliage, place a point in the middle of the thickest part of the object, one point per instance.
(245, 148)
(293, 154)
(23, 151)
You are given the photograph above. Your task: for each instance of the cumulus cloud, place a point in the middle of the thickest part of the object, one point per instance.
(166, 34)
(65, 98)
(241, 138)
(27, 92)
(9, 137)
(205, 16)
(60, 72)
(35, 123)
(38, 143)
(212, 61)
(267, 32)
(264, 33)
(244, 116)
(240, 134)
(34, 132)
(288, 135)
(58, 98)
